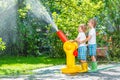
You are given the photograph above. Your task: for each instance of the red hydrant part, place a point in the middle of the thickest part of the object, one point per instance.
(62, 36)
(75, 53)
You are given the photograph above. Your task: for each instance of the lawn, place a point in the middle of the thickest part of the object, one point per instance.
(11, 65)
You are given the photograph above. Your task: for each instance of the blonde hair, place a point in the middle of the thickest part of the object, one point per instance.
(94, 22)
(83, 27)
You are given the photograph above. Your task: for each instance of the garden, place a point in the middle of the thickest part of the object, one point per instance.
(28, 38)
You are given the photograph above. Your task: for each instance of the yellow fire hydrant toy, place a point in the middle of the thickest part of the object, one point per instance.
(69, 47)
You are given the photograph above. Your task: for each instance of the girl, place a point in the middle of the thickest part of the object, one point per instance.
(82, 48)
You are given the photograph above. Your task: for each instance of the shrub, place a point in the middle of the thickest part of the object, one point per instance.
(2, 44)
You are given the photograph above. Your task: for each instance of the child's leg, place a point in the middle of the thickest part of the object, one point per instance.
(93, 58)
(92, 52)
(84, 66)
(82, 61)
(82, 57)
(82, 54)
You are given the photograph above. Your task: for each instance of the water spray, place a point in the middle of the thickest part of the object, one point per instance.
(40, 12)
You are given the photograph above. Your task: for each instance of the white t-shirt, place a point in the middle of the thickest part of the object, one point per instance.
(92, 33)
(81, 37)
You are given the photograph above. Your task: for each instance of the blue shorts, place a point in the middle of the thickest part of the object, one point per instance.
(82, 53)
(92, 49)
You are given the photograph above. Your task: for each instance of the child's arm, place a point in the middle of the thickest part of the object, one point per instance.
(87, 39)
(77, 40)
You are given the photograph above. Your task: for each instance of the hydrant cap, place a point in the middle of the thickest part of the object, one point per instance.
(69, 46)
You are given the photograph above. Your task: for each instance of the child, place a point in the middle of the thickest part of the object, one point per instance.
(92, 43)
(82, 48)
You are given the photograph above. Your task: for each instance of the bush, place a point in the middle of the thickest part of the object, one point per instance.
(2, 44)
(30, 32)
(109, 18)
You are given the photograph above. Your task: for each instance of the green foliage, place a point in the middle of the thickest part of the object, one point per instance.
(101, 42)
(2, 44)
(56, 49)
(23, 11)
(109, 18)
(27, 30)
(68, 14)
(115, 50)
(75, 12)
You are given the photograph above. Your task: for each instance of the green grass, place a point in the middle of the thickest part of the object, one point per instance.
(11, 65)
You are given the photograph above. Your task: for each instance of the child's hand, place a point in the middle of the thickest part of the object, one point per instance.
(86, 44)
(71, 40)
(77, 40)
(80, 42)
